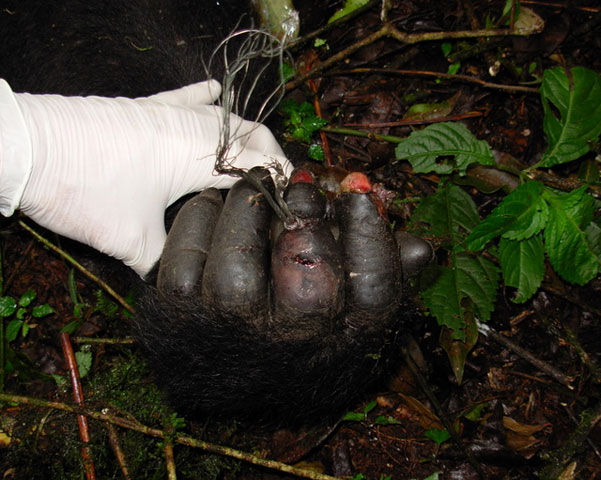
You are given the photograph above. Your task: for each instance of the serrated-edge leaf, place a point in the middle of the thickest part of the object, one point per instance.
(423, 147)
(593, 232)
(450, 213)
(12, 329)
(523, 265)
(566, 241)
(84, 362)
(27, 298)
(522, 214)
(479, 279)
(40, 311)
(578, 101)
(8, 306)
(472, 277)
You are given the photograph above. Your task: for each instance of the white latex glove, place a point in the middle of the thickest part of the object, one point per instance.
(103, 170)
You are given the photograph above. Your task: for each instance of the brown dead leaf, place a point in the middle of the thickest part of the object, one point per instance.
(426, 417)
(522, 428)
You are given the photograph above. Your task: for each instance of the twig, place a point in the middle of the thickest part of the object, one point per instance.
(563, 184)
(360, 133)
(420, 121)
(78, 397)
(561, 5)
(170, 457)
(388, 30)
(79, 266)
(449, 76)
(565, 380)
(116, 447)
(110, 341)
(178, 438)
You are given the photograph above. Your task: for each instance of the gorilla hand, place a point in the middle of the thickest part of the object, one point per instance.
(301, 324)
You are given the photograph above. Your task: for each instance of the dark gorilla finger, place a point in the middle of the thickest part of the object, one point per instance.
(415, 253)
(235, 279)
(371, 260)
(306, 268)
(187, 245)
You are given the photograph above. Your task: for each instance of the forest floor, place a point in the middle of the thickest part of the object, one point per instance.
(529, 401)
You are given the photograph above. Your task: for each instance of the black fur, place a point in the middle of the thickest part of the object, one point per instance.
(113, 48)
(226, 365)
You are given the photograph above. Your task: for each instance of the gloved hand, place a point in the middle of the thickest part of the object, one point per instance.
(103, 170)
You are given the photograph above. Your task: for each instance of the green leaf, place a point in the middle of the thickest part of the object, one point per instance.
(509, 4)
(437, 435)
(105, 304)
(522, 214)
(360, 416)
(566, 241)
(21, 312)
(593, 233)
(353, 417)
(315, 152)
(71, 327)
(471, 278)
(450, 213)
(424, 147)
(383, 420)
(458, 350)
(40, 311)
(27, 298)
(523, 265)
(577, 98)
(349, 7)
(475, 413)
(454, 68)
(369, 407)
(287, 72)
(446, 48)
(8, 306)
(12, 329)
(84, 362)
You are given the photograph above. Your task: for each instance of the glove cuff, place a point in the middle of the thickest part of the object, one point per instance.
(15, 151)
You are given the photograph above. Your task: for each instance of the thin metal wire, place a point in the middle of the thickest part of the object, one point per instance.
(244, 67)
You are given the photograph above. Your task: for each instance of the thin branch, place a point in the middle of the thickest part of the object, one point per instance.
(178, 438)
(79, 266)
(449, 76)
(360, 133)
(388, 30)
(78, 397)
(110, 341)
(420, 121)
(116, 447)
(550, 370)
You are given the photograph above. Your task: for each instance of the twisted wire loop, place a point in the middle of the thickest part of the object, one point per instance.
(248, 55)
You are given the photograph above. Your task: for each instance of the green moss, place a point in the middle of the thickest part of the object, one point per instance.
(48, 445)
